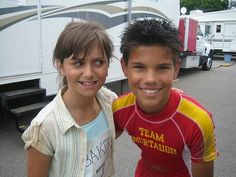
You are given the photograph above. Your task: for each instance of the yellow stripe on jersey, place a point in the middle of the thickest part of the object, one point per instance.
(123, 101)
(203, 119)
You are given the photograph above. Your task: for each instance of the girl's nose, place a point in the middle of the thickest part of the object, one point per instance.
(88, 71)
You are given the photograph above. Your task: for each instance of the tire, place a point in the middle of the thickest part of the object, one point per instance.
(206, 66)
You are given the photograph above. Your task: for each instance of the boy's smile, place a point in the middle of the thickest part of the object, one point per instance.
(151, 91)
(150, 72)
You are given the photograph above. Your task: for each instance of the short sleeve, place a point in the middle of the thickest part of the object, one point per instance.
(109, 95)
(205, 150)
(117, 118)
(36, 136)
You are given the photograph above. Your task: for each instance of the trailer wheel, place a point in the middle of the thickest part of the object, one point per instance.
(207, 64)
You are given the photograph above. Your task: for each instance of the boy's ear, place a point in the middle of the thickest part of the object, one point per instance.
(177, 68)
(124, 67)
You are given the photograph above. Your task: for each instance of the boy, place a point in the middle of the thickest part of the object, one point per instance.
(174, 132)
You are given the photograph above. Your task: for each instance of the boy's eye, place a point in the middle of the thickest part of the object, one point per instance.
(138, 67)
(164, 67)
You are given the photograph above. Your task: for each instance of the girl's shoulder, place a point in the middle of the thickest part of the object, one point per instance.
(106, 95)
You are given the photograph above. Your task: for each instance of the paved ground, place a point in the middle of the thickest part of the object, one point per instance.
(12, 158)
(215, 89)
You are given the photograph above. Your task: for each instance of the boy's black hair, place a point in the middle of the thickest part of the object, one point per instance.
(150, 32)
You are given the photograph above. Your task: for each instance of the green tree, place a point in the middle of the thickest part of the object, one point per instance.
(204, 5)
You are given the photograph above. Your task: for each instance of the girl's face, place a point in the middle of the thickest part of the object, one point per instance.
(85, 76)
(150, 72)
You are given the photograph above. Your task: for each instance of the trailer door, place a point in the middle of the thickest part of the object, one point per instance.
(19, 42)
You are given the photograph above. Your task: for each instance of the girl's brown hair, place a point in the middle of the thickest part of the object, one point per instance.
(81, 37)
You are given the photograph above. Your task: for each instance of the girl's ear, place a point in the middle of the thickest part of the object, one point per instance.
(124, 67)
(60, 67)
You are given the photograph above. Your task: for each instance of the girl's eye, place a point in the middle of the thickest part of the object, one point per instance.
(98, 62)
(78, 62)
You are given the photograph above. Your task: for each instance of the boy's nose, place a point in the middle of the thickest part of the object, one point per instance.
(150, 77)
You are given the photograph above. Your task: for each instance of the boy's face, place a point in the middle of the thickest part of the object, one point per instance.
(150, 72)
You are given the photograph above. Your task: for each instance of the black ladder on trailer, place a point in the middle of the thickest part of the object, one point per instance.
(21, 101)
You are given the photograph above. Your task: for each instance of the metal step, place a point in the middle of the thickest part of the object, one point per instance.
(22, 128)
(19, 85)
(28, 109)
(15, 94)
(23, 115)
(21, 101)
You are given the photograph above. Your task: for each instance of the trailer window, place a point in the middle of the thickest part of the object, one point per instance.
(207, 29)
(218, 28)
(199, 31)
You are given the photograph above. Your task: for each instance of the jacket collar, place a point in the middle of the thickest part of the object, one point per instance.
(63, 117)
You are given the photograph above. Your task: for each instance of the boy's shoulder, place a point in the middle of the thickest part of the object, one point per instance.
(123, 101)
(190, 105)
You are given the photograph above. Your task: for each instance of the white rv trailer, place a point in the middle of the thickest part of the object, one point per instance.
(219, 28)
(28, 33)
(29, 30)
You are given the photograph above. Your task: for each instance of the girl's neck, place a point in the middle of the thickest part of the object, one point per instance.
(82, 109)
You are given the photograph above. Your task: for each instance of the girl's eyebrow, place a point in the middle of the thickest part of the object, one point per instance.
(82, 59)
(77, 58)
(99, 57)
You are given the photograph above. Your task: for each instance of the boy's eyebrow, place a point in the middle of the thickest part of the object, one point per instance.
(137, 63)
(160, 64)
(165, 64)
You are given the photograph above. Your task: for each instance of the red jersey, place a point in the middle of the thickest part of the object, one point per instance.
(169, 140)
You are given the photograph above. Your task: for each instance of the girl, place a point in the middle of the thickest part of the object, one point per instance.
(73, 135)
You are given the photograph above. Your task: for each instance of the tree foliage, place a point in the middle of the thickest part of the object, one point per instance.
(204, 5)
